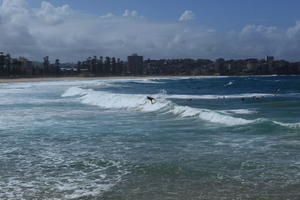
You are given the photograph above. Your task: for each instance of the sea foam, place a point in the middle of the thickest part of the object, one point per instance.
(109, 100)
(210, 115)
(289, 125)
(233, 96)
(239, 111)
(139, 102)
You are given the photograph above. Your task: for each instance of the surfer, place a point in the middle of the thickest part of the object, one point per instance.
(256, 97)
(153, 100)
(276, 92)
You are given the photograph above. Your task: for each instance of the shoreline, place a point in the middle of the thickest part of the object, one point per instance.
(70, 78)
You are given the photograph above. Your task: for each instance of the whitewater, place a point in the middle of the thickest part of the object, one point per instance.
(139, 102)
(203, 138)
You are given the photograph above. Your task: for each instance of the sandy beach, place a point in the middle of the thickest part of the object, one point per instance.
(39, 79)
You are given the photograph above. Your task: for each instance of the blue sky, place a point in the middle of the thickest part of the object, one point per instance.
(218, 14)
(73, 30)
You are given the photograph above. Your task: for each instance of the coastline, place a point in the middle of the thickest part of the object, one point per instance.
(42, 79)
(70, 78)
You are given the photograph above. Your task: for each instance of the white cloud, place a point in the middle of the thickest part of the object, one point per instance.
(187, 16)
(294, 31)
(14, 11)
(128, 13)
(51, 14)
(108, 15)
(63, 33)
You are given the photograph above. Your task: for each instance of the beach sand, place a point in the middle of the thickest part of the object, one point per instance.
(39, 79)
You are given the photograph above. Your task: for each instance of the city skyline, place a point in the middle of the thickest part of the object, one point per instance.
(73, 30)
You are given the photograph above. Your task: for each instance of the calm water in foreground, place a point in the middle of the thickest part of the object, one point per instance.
(102, 139)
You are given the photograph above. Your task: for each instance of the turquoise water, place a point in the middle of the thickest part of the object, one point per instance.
(204, 138)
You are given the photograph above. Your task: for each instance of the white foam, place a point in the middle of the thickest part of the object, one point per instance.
(229, 83)
(239, 111)
(233, 96)
(116, 101)
(31, 179)
(75, 91)
(139, 102)
(289, 125)
(145, 81)
(210, 115)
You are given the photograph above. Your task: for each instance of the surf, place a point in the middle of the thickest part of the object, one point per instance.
(139, 103)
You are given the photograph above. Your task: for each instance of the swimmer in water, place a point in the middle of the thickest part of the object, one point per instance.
(276, 92)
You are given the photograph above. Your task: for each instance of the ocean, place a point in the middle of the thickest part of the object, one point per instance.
(203, 138)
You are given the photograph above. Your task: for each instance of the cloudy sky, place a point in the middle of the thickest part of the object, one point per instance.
(72, 30)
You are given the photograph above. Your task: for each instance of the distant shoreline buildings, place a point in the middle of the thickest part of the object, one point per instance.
(136, 65)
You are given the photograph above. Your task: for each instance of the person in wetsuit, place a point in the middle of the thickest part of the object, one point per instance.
(151, 99)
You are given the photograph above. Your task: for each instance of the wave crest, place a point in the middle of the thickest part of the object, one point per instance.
(139, 102)
(210, 115)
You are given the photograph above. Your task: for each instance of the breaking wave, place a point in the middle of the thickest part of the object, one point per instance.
(139, 102)
(239, 111)
(233, 96)
(209, 115)
(117, 101)
(229, 83)
(146, 81)
(289, 125)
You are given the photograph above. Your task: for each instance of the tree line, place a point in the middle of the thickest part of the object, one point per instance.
(15, 67)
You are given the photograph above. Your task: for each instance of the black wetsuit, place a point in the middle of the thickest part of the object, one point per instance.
(150, 99)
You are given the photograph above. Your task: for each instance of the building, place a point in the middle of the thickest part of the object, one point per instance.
(26, 66)
(270, 58)
(135, 64)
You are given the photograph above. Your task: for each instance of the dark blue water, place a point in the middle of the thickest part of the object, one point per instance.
(203, 138)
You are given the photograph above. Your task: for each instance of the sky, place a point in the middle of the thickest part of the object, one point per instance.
(221, 14)
(73, 30)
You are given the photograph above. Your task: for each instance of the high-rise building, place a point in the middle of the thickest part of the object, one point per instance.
(270, 58)
(135, 64)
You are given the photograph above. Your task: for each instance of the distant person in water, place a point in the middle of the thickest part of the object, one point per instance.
(153, 100)
(256, 97)
(276, 92)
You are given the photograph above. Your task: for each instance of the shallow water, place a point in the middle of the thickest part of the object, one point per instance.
(102, 139)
